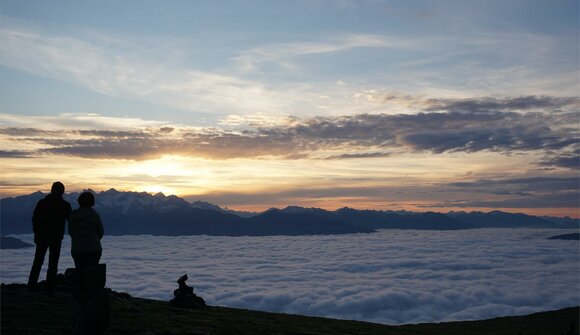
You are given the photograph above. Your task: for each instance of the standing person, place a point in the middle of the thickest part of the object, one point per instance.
(86, 231)
(48, 221)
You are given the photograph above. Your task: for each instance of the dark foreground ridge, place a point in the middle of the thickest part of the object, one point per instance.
(34, 313)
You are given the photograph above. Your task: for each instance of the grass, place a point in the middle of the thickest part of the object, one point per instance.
(34, 313)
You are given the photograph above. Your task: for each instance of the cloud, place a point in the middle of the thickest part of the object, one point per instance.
(475, 105)
(488, 104)
(504, 126)
(392, 276)
(561, 199)
(282, 53)
(118, 67)
(307, 195)
(568, 160)
(51, 125)
(153, 143)
(529, 192)
(544, 183)
(15, 154)
(359, 155)
(438, 132)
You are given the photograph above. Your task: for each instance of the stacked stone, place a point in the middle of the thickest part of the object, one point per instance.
(184, 296)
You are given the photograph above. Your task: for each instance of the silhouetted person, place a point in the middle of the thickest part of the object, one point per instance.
(86, 231)
(48, 221)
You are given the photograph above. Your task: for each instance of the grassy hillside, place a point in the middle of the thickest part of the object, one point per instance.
(34, 313)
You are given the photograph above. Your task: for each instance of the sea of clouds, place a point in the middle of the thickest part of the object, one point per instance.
(393, 276)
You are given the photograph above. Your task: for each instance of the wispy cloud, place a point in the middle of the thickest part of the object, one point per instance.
(124, 66)
(121, 68)
(359, 155)
(54, 123)
(569, 199)
(283, 53)
(15, 154)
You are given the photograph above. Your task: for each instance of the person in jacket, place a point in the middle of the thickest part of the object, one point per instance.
(86, 231)
(48, 221)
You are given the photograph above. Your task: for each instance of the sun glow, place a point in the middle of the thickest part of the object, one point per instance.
(165, 166)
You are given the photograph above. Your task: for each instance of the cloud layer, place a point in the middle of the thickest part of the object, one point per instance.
(389, 277)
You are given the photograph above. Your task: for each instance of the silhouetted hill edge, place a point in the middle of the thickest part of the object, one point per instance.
(35, 313)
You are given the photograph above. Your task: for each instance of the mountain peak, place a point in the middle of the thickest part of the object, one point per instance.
(206, 205)
(301, 210)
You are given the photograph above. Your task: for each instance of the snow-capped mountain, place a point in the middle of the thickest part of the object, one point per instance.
(158, 214)
(131, 201)
(143, 213)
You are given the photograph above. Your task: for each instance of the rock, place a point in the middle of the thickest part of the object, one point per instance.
(573, 236)
(94, 313)
(120, 296)
(184, 296)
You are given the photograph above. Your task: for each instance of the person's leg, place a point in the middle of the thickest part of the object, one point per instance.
(37, 264)
(86, 259)
(79, 260)
(54, 255)
(93, 258)
(82, 262)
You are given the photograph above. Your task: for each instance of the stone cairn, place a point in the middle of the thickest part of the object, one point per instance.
(184, 296)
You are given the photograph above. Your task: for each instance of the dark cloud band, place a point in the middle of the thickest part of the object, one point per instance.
(485, 124)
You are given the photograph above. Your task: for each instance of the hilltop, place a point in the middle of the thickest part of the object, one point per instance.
(34, 313)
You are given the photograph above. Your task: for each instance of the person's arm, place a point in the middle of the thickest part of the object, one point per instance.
(37, 217)
(100, 228)
(70, 228)
(68, 210)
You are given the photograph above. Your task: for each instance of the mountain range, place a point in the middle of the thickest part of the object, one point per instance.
(131, 213)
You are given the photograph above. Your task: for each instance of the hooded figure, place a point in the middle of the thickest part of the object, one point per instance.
(48, 221)
(86, 231)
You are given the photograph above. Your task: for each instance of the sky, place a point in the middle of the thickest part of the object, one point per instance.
(416, 105)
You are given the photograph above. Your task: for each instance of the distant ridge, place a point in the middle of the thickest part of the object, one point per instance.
(130, 213)
(12, 243)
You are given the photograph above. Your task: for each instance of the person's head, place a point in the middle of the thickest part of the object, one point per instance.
(57, 188)
(86, 199)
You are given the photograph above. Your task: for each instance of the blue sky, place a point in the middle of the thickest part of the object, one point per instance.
(484, 47)
(263, 71)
